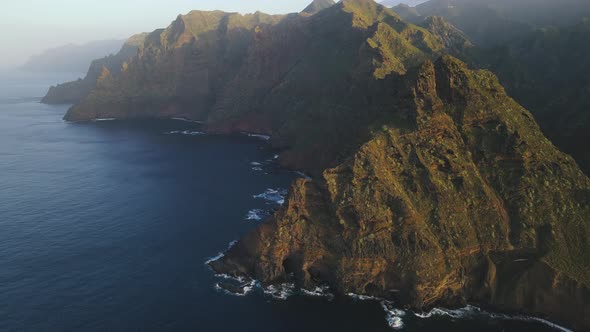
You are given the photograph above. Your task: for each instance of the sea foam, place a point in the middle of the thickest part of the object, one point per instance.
(276, 196)
(220, 255)
(257, 214)
(187, 120)
(260, 136)
(185, 132)
(472, 312)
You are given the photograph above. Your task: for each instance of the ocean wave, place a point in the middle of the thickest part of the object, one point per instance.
(393, 316)
(185, 132)
(242, 289)
(320, 291)
(256, 166)
(472, 312)
(220, 255)
(360, 297)
(187, 120)
(104, 119)
(281, 291)
(257, 214)
(260, 136)
(276, 196)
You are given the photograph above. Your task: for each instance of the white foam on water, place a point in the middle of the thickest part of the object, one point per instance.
(230, 277)
(220, 255)
(471, 312)
(320, 291)
(281, 291)
(105, 119)
(185, 132)
(186, 120)
(393, 316)
(259, 166)
(246, 288)
(276, 156)
(257, 214)
(360, 297)
(262, 137)
(276, 196)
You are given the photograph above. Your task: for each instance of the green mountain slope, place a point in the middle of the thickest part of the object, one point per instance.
(466, 202)
(547, 72)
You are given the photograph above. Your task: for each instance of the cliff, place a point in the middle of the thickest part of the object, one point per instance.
(468, 202)
(272, 75)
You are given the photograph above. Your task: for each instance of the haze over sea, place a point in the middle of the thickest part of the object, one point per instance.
(106, 226)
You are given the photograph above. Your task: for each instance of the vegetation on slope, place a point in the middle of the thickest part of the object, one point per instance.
(466, 202)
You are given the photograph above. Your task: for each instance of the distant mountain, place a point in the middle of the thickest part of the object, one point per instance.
(73, 92)
(429, 185)
(72, 57)
(393, 3)
(408, 13)
(318, 5)
(494, 22)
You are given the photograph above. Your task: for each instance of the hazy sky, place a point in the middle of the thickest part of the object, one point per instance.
(31, 26)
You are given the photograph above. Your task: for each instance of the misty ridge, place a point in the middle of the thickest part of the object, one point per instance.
(72, 58)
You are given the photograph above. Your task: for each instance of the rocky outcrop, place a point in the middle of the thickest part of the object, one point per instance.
(466, 203)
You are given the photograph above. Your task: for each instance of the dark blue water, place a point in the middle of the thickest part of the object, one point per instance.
(106, 227)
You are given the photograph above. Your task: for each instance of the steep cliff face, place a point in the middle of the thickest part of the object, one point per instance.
(468, 201)
(273, 75)
(179, 70)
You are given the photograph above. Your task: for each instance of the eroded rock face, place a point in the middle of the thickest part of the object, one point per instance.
(470, 203)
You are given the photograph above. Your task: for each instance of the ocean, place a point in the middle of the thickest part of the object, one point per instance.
(106, 226)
